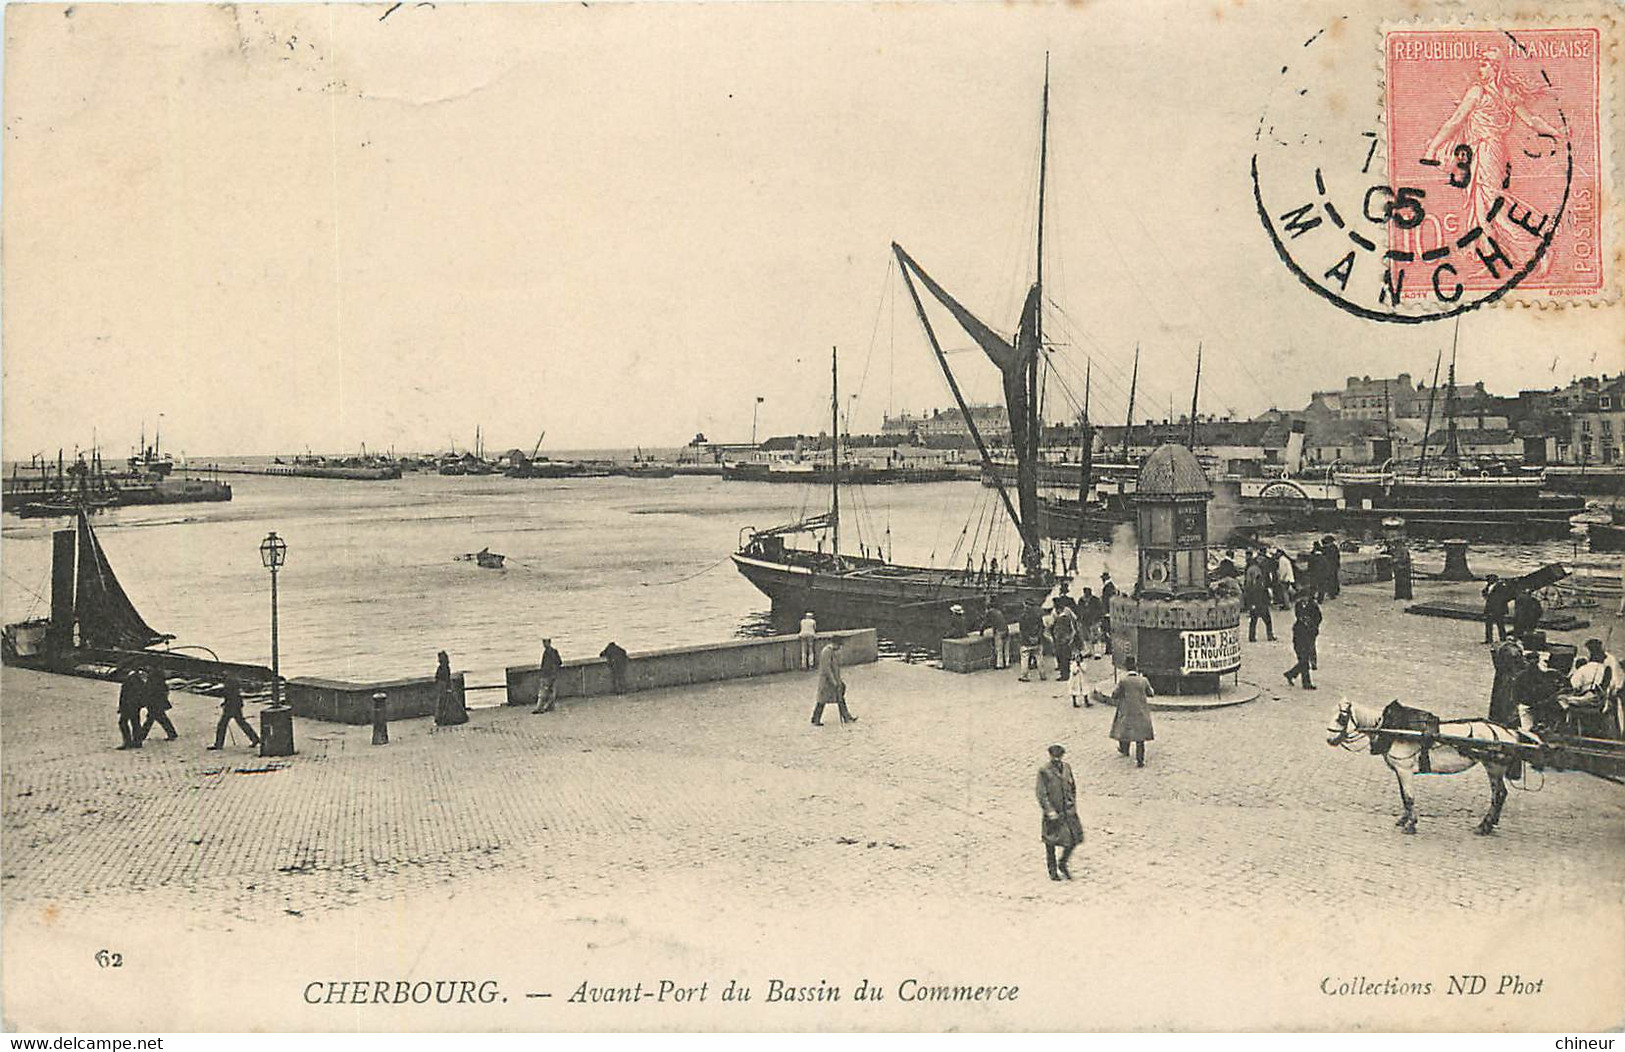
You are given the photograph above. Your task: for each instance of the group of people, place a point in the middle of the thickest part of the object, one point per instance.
(143, 691)
(143, 702)
(1271, 579)
(1502, 596)
(1068, 631)
(1525, 682)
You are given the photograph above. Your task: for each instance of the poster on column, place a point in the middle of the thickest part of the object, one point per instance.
(1211, 650)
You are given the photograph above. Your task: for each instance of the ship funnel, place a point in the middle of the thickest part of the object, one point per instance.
(1294, 448)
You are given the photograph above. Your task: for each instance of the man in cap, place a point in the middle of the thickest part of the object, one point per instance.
(1058, 800)
(1032, 643)
(956, 622)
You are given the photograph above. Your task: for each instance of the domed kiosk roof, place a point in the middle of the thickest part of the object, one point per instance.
(1172, 471)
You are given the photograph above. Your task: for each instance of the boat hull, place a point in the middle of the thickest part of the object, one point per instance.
(908, 603)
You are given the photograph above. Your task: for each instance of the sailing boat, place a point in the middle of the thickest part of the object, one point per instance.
(912, 601)
(89, 608)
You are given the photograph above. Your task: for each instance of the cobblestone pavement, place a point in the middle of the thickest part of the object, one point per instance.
(714, 801)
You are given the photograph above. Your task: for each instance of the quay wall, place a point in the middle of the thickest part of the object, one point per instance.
(680, 666)
(337, 701)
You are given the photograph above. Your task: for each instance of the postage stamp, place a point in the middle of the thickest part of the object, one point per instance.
(1479, 172)
(1498, 131)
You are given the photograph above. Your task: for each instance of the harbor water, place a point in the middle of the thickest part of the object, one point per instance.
(373, 586)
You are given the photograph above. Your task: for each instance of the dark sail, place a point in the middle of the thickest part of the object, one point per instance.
(106, 616)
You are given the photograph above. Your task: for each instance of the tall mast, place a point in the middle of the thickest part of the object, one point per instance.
(835, 450)
(1085, 461)
(1427, 428)
(1134, 382)
(1452, 449)
(1196, 389)
(1035, 431)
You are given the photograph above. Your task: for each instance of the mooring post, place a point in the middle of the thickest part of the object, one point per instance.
(1455, 562)
(380, 719)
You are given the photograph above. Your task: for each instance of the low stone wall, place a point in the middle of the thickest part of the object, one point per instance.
(339, 702)
(975, 652)
(679, 666)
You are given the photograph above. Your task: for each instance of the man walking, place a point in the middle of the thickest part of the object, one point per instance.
(129, 709)
(1058, 800)
(1132, 721)
(548, 692)
(231, 711)
(1305, 631)
(1032, 643)
(809, 640)
(831, 687)
(1526, 613)
(156, 699)
(1090, 617)
(1255, 593)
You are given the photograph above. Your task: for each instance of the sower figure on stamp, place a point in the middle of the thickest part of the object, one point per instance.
(1480, 129)
(156, 700)
(1058, 800)
(129, 709)
(547, 693)
(831, 687)
(231, 711)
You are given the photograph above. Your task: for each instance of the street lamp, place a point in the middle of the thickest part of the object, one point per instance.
(273, 553)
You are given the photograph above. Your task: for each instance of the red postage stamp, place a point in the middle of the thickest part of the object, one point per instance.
(1495, 135)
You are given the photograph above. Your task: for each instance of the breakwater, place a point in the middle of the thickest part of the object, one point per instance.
(682, 666)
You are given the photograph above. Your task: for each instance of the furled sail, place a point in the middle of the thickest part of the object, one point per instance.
(1014, 360)
(106, 616)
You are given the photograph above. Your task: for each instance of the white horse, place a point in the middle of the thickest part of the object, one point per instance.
(1404, 756)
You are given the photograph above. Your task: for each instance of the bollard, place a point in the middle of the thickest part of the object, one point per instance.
(1455, 562)
(1399, 552)
(380, 719)
(276, 731)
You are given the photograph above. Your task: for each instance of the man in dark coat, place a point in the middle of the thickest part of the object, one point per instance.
(1107, 590)
(130, 697)
(1497, 594)
(1064, 631)
(1063, 599)
(1510, 663)
(1091, 615)
(1526, 612)
(618, 661)
(1332, 565)
(1058, 800)
(547, 694)
(156, 702)
(1305, 632)
(1255, 594)
(231, 711)
(1132, 721)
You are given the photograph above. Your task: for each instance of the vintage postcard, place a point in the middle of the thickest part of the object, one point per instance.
(812, 517)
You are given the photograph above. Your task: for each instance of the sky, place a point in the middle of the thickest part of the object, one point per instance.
(288, 226)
